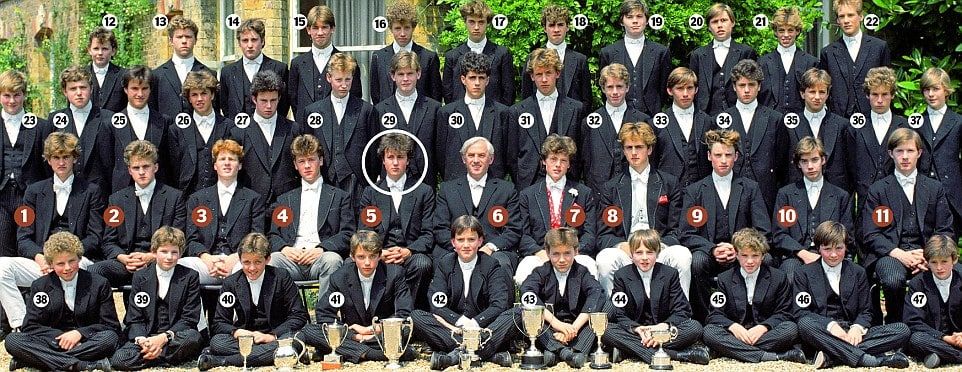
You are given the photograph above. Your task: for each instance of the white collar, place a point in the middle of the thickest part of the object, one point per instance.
(400, 181)
(15, 117)
(161, 273)
(260, 120)
(727, 43)
(553, 96)
(941, 111)
(752, 106)
(68, 182)
(326, 51)
(632, 41)
(149, 190)
(366, 280)
(259, 280)
(722, 179)
(407, 48)
(72, 283)
(258, 60)
(643, 175)
(478, 45)
(837, 269)
(135, 111)
(790, 50)
(559, 47)
(887, 115)
(335, 100)
(900, 177)
(678, 110)
(483, 181)
(809, 184)
(211, 116)
(645, 274)
(561, 275)
(399, 97)
(560, 184)
(613, 109)
(469, 100)
(85, 109)
(746, 275)
(229, 188)
(468, 266)
(94, 67)
(811, 115)
(316, 185)
(849, 39)
(943, 282)
(189, 61)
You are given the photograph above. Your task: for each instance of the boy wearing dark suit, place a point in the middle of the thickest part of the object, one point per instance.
(236, 77)
(941, 132)
(751, 319)
(728, 204)
(933, 306)
(816, 121)
(803, 205)
(346, 125)
(88, 122)
(191, 162)
(233, 210)
(314, 244)
(601, 157)
(477, 15)
(307, 81)
(575, 81)
(647, 296)
(403, 19)
(552, 203)
(784, 66)
(762, 130)
(162, 321)
(147, 205)
(849, 58)
(467, 290)
(267, 135)
(713, 63)
(478, 195)
(575, 293)
(649, 198)
(106, 91)
(531, 120)
(476, 115)
(833, 310)
(407, 210)
(413, 111)
(167, 79)
(361, 290)
(647, 61)
(259, 301)
(868, 160)
(139, 122)
(918, 207)
(680, 150)
(71, 323)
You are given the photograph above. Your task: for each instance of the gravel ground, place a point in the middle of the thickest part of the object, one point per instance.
(423, 364)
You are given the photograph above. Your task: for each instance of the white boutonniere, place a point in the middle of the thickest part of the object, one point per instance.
(573, 192)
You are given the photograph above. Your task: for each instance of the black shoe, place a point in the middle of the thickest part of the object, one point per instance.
(206, 361)
(440, 361)
(695, 355)
(502, 359)
(896, 360)
(931, 361)
(616, 356)
(15, 364)
(574, 359)
(821, 360)
(550, 359)
(317, 356)
(101, 365)
(305, 358)
(408, 355)
(794, 355)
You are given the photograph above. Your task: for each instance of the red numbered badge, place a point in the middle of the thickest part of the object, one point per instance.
(282, 216)
(371, 216)
(697, 216)
(498, 216)
(113, 216)
(787, 216)
(612, 216)
(201, 216)
(882, 216)
(24, 216)
(575, 216)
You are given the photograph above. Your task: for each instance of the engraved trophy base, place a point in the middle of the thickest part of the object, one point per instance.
(599, 360)
(392, 365)
(331, 362)
(530, 360)
(661, 362)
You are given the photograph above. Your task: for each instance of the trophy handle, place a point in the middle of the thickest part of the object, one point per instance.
(453, 333)
(517, 311)
(410, 324)
(375, 323)
(672, 332)
(303, 346)
(484, 340)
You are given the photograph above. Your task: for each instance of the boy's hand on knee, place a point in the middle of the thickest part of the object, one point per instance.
(756, 333)
(740, 333)
(68, 340)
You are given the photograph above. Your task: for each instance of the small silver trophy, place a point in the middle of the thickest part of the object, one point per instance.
(472, 340)
(661, 361)
(599, 324)
(392, 333)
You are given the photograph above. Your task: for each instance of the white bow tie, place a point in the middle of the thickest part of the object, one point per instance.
(310, 188)
(476, 185)
(557, 186)
(62, 187)
(639, 178)
(100, 71)
(717, 45)
(165, 274)
(634, 41)
(905, 180)
(548, 98)
(476, 102)
(254, 62)
(226, 193)
(142, 192)
(410, 98)
(395, 186)
(934, 112)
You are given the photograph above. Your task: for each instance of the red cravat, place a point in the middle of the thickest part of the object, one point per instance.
(554, 213)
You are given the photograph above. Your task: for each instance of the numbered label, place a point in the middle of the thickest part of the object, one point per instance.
(60, 120)
(24, 216)
(201, 216)
(113, 216)
(141, 299)
(109, 21)
(119, 120)
(439, 299)
(299, 21)
(529, 299)
(660, 120)
(787, 216)
(791, 120)
(456, 120)
(575, 216)
(723, 120)
(499, 22)
(872, 21)
(41, 299)
(233, 21)
(919, 299)
(159, 22)
(882, 216)
(697, 216)
(612, 216)
(315, 120)
(389, 120)
(371, 216)
(498, 216)
(183, 120)
(379, 24)
(283, 216)
(580, 22)
(656, 22)
(803, 299)
(718, 299)
(227, 299)
(30, 120)
(916, 120)
(594, 120)
(526, 120)
(619, 299)
(696, 22)
(242, 120)
(335, 299)
(857, 120)
(760, 21)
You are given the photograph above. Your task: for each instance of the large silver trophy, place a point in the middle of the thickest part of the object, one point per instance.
(472, 340)
(286, 356)
(392, 332)
(532, 319)
(661, 360)
(335, 334)
(599, 324)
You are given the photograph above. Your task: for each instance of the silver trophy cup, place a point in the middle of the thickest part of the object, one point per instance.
(392, 333)
(661, 360)
(532, 319)
(335, 334)
(472, 340)
(599, 324)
